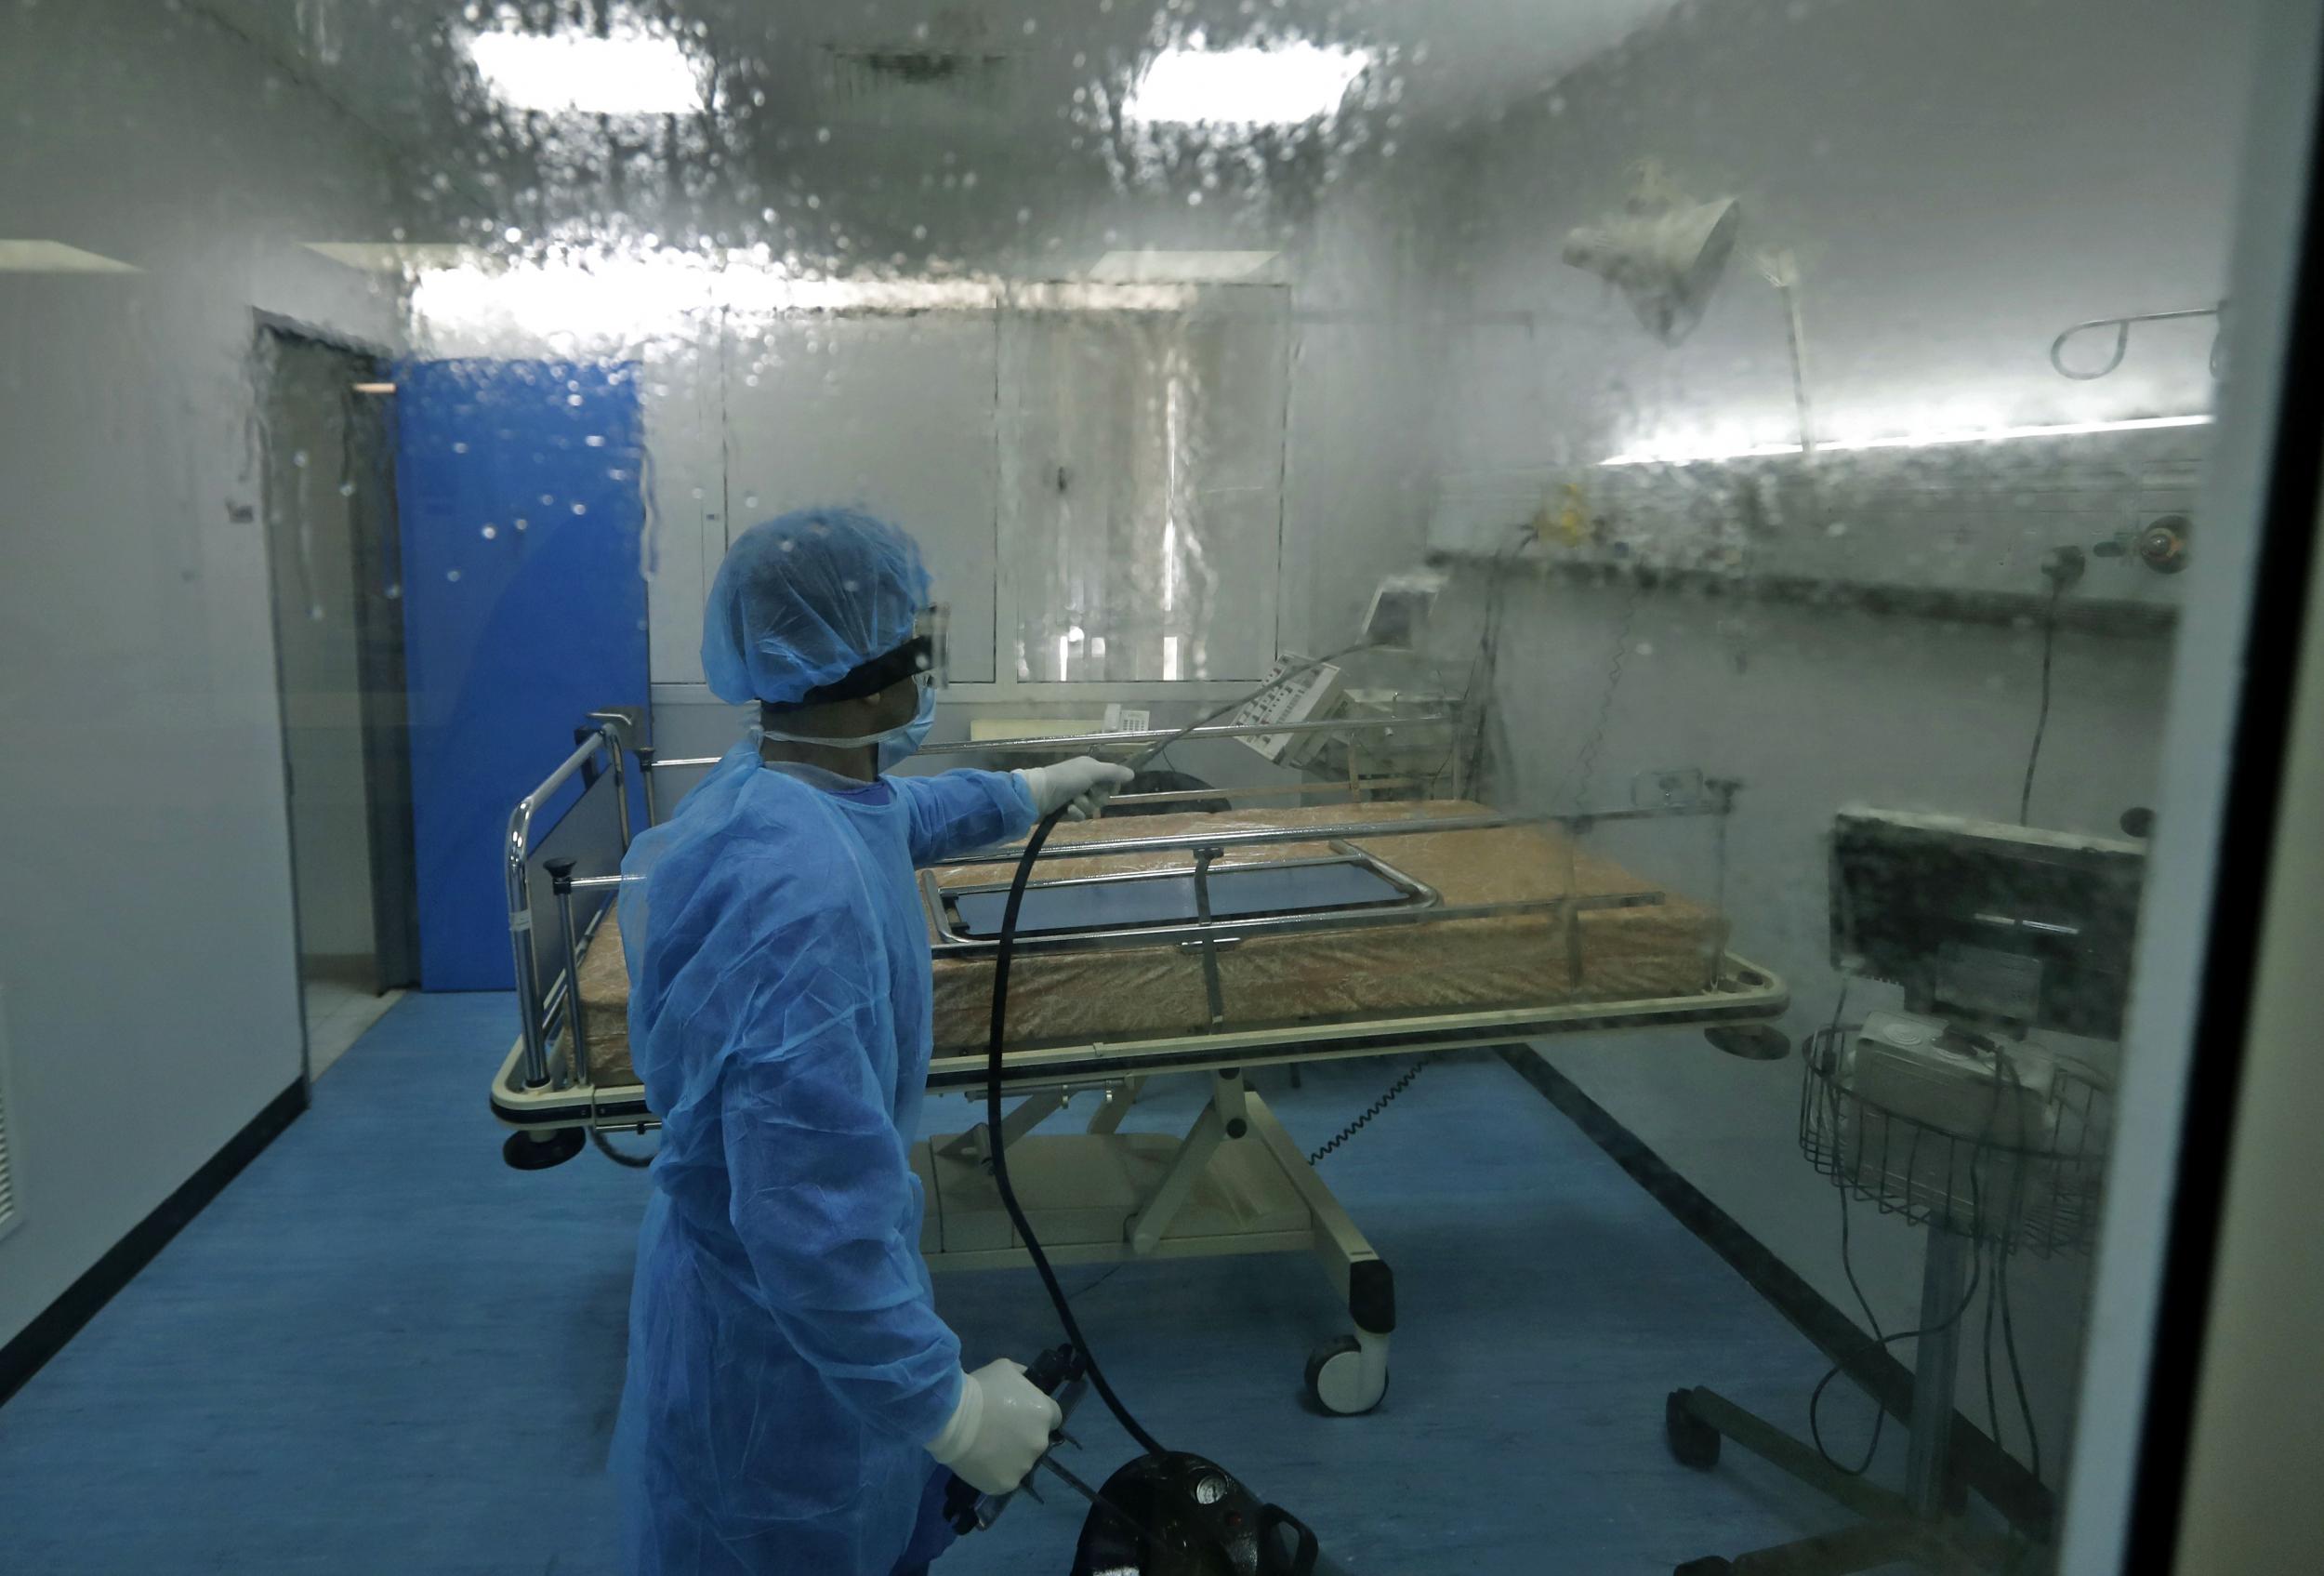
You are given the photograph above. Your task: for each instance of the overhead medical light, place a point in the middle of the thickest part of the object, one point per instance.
(55, 257)
(1664, 250)
(627, 69)
(1249, 85)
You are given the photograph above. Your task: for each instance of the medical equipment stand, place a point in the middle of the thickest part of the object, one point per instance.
(1911, 1525)
(2039, 1196)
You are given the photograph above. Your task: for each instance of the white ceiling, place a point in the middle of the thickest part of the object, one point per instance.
(395, 64)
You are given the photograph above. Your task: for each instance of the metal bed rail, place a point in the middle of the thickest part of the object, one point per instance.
(1406, 826)
(1050, 743)
(542, 1011)
(1744, 993)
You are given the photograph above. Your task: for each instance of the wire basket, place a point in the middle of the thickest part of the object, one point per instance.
(2029, 1177)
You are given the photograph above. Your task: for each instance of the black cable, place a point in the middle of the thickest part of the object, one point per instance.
(1364, 1117)
(1992, 1408)
(1487, 662)
(1968, 1296)
(619, 1157)
(1004, 951)
(1006, 946)
(2009, 1332)
(2041, 718)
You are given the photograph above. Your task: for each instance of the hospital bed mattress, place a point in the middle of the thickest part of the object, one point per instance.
(1626, 939)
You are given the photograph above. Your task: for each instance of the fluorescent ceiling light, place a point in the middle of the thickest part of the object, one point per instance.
(396, 257)
(1178, 267)
(55, 257)
(1248, 85)
(1908, 440)
(626, 71)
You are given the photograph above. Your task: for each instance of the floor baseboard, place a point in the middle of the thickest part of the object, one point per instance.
(63, 1319)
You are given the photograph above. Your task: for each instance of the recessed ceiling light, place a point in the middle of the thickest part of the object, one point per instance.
(1246, 86)
(55, 257)
(628, 70)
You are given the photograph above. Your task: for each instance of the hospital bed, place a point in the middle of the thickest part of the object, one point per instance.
(1202, 945)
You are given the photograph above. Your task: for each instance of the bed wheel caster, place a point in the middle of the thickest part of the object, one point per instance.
(527, 1151)
(1339, 1376)
(1695, 1443)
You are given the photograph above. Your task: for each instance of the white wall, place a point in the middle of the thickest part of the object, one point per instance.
(1960, 181)
(1363, 244)
(147, 948)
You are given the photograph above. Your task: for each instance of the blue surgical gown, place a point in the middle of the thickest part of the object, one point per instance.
(785, 1360)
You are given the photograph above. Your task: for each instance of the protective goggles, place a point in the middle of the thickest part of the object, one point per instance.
(921, 657)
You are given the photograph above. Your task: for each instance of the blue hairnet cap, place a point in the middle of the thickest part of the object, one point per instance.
(804, 598)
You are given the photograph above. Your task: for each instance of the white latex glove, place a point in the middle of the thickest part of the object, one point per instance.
(1000, 1427)
(1082, 785)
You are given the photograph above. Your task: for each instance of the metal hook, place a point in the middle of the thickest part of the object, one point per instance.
(2121, 327)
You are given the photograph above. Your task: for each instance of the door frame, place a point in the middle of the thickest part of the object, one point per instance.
(382, 701)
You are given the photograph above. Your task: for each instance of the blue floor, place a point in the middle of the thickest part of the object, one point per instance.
(381, 1350)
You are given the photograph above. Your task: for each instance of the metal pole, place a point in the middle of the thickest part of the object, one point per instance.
(1160, 736)
(513, 852)
(621, 783)
(1935, 1366)
(520, 943)
(562, 870)
(1328, 832)
(1208, 945)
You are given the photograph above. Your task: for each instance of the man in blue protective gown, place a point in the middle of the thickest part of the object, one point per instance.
(793, 1403)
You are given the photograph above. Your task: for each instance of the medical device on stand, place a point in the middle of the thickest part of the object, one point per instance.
(1949, 1114)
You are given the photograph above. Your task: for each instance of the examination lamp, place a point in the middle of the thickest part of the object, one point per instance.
(1665, 251)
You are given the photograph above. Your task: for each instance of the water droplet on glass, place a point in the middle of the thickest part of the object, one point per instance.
(347, 489)
(512, 235)
(548, 500)
(573, 399)
(393, 593)
(822, 133)
(451, 574)
(298, 459)
(489, 532)
(457, 448)
(595, 440)
(580, 509)
(750, 501)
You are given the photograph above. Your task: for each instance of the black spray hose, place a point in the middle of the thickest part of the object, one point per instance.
(1004, 947)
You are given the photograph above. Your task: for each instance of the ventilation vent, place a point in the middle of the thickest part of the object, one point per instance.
(857, 76)
(8, 1154)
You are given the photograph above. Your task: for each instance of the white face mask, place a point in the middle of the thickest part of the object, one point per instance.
(895, 745)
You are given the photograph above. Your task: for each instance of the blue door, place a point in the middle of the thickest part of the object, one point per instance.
(524, 610)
